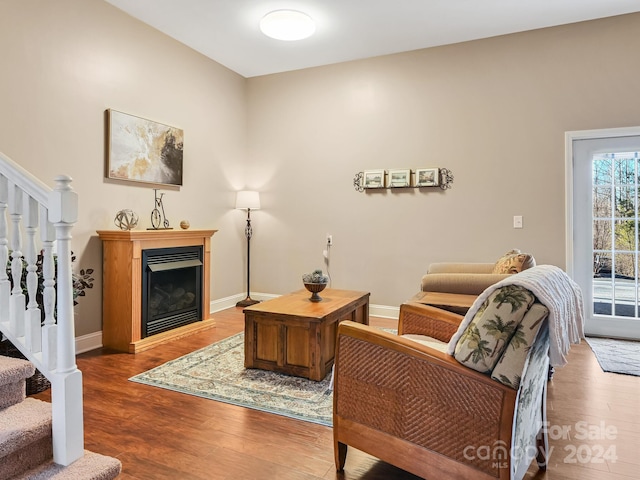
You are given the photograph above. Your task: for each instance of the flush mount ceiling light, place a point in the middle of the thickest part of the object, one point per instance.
(287, 25)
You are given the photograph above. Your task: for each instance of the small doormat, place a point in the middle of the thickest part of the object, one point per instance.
(616, 356)
(217, 372)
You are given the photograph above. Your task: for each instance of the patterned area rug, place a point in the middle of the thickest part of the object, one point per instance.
(616, 356)
(217, 372)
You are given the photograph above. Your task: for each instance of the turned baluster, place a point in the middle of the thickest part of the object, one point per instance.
(47, 236)
(33, 336)
(17, 302)
(5, 285)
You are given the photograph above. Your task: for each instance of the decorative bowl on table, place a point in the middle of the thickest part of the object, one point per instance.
(315, 282)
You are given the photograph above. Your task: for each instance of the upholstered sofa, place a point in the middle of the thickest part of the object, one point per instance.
(452, 397)
(474, 278)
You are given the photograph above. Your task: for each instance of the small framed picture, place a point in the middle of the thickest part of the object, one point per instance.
(399, 178)
(374, 179)
(427, 177)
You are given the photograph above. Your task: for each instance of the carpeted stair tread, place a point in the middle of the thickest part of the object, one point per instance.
(14, 369)
(13, 372)
(23, 424)
(92, 466)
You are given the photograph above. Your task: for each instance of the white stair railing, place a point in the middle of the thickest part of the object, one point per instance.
(34, 208)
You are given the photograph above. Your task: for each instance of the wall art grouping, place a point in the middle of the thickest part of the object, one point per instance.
(142, 150)
(403, 178)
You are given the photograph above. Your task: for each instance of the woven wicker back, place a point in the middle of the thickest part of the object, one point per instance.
(419, 401)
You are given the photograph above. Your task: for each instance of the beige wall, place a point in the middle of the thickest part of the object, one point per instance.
(63, 64)
(493, 111)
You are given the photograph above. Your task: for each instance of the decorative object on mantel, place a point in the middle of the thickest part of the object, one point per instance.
(184, 224)
(315, 282)
(126, 219)
(248, 200)
(157, 214)
(403, 178)
(141, 150)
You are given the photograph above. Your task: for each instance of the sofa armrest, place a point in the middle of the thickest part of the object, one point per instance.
(466, 283)
(415, 407)
(419, 319)
(460, 267)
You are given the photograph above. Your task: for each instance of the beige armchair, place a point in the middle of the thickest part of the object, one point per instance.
(403, 399)
(473, 278)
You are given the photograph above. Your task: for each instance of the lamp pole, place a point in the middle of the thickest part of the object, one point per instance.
(249, 201)
(247, 233)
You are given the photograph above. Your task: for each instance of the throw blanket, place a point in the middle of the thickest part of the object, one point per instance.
(554, 289)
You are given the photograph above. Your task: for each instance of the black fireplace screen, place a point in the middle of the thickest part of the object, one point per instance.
(171, 288)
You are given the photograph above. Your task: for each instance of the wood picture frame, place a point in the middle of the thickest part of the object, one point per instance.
(141, 150)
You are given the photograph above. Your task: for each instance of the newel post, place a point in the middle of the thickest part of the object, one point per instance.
(63, 214)
(66, 392)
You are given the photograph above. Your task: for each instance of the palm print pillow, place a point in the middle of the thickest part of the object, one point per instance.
(496, 321)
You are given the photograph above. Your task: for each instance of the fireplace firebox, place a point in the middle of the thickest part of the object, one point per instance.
(171, 288)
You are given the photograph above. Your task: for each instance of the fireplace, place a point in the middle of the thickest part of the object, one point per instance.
(177, 263)
(171, 288)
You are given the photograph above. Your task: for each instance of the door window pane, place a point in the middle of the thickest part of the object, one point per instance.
(615, 234)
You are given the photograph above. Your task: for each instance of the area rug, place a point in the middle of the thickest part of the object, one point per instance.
(217, 372)
(616, 356)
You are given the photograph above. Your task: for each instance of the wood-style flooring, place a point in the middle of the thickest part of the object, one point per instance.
(159, 434)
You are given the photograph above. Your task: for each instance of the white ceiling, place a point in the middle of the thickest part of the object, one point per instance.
(227, 30)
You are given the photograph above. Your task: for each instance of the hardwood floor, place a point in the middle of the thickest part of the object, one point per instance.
(159, 434)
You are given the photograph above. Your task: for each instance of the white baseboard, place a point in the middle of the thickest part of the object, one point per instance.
(384, 311)
(92, 341)
(88, 342)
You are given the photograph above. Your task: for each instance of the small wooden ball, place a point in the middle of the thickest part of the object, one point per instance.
(184, 224)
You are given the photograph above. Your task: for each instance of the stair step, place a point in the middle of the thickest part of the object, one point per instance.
(13, 372)
(25, 436)
(92, 466)
(23, 424)
(14, 369)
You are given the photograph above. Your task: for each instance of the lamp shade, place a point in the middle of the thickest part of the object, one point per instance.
(246, 200)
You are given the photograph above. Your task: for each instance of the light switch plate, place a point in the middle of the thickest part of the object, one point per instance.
(517, 221)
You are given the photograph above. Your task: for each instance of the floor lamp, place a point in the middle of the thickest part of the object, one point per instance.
(246, 200)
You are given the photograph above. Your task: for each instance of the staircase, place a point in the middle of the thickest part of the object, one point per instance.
(39, 440)
(26, 443)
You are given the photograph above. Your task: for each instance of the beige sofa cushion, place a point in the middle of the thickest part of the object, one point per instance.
(427, 341)
(464, 283)
(514, 261)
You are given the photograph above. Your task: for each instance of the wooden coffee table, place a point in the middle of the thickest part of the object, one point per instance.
(293, 335)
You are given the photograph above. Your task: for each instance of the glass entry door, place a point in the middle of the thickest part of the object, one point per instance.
(606, 232)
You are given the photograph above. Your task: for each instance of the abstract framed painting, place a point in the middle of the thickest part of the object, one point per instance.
(141, 150)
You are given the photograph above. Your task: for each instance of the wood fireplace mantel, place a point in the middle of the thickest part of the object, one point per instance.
(122, 285)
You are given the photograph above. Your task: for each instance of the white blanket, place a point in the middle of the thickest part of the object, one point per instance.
(558, 292)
